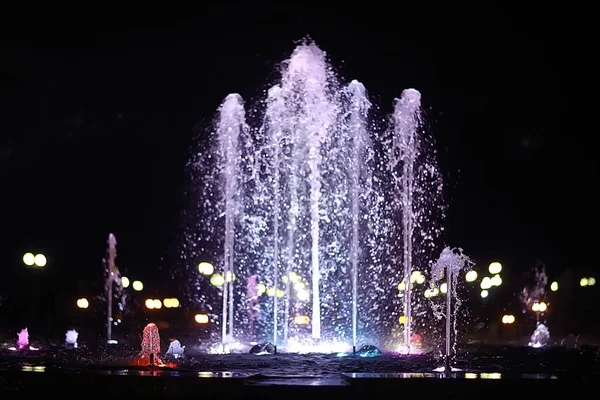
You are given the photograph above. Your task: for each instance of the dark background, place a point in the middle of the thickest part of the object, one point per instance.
(100, 106)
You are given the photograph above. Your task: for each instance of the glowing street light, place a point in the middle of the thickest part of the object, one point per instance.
(495, 268)
(496, 280)
(217, 280)
(125, 281)
(587, 282)
(508, 319)
(471, 276)
(153, 304)
(206, 268)
(484, 294)
(28, 259)
(39, 260)
(83, 303)
(171, 303)
(201, 318)
(539, 307)
(137, 286)
(554, 286)
(486, 283)
(301, 319)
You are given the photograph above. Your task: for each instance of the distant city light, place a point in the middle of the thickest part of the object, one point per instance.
(484, 294)
(539, 307)
(217, 280)
(471, 276)
(554, 286)
(495, 268)
(228, 276)
(301, 320)
(201, 318)
(28, 259)
(261, 288)
(40, 260)
(171, 303)
(587, 282)
(496, 280)
(83, 303)
(280, 293)
(157, 304)
(402, 286)
(486, 283)
(431, 292)
(444, 288)
(206, 268)
(125, 281)
(153, 304)
(137, 286)
(303, 295)
(508, 319)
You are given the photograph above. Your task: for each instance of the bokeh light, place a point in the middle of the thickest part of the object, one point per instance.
(508, 319)
(83, 303)
(28, 259)
(554, 286)
(471, 276)
(206, 268)
(125, 282)
(40, 260)
(201, 318)
(137, 286)
(495, 268)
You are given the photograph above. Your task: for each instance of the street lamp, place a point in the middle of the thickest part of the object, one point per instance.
(38, 260)
(83, 303)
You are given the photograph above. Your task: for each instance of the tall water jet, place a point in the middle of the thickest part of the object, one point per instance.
(406, 120)
(274, 119)
(450, 263)
(357, 115)
(230, 125)
(112, 273)
(312, 115)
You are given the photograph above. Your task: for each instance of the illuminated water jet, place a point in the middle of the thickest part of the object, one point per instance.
(322, 208)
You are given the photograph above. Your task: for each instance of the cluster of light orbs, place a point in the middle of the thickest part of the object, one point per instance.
(587, 282)
(171, 303)
(38, 260)
(539, 307)
(508, 319)
(153, 304)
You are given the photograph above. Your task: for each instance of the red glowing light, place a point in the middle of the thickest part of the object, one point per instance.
(150, 347)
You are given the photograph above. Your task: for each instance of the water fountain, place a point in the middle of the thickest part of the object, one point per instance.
(23, 339)
(450, 263)
(305, 204)
(149, 356)
(71, 338)
(533, 298)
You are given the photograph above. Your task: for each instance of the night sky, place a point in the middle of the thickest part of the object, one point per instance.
(100, 106)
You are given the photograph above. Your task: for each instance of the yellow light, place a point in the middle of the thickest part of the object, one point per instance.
(206, 268)
(484, 294)
(303, 295)
(28, 259)
(299, 286)
(150, 304)
(137, 286)
(271, 292)
(402, 319)
(542, 307)
(167, 303)
(125, 281)
(83, 303)
(583, 282)
(470, 375)
(294, 277)
(157, 304)
(421, 279)
(495, 268)
(280, 293)
(229, 275)
(471, 276)
(535, 307)
(554, 286)
(496, 280)
(444, 288)
(174, 303)
(40, 260)
(217, 280)
(591, 281)
(261, 288)
(301, 319)
(486, 283)
(201, 318)
(508, 319)
(495, 375)
(401, 286)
